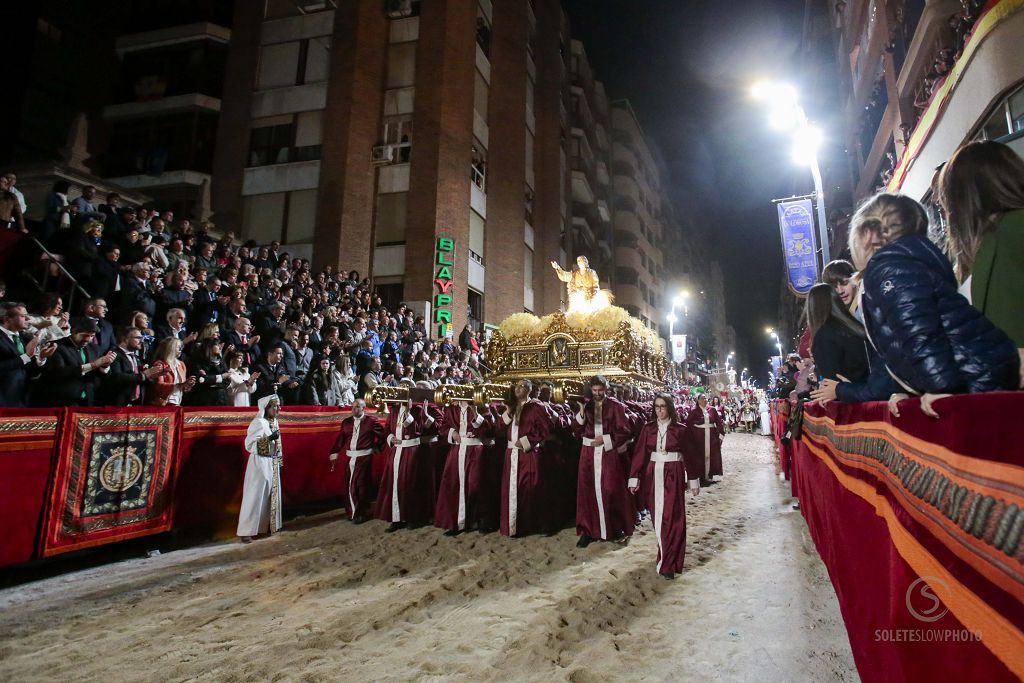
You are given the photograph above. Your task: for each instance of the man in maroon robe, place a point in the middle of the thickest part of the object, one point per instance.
(527, 477)
(603, 505)
(406, 493)
(360, 436)
(459, 498)
(704, 434)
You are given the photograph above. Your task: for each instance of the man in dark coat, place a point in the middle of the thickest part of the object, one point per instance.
(96, 310)
(73, 372)
(123, 385)
(17, 362)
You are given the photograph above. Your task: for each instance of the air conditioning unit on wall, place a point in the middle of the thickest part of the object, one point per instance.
(396, 9)
(382, 154)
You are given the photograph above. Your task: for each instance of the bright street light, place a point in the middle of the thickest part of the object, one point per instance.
(785, 113)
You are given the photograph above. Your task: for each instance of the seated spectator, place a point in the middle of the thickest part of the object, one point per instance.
(175, 327)
(928, 337)
(173, 381)
(837, 339)
(71, 375)
(322, 386)
(239, 339)
(982, 192)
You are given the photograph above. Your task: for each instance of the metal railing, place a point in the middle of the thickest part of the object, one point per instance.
(67, 285)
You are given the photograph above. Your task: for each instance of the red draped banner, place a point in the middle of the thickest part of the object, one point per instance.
(921, 526)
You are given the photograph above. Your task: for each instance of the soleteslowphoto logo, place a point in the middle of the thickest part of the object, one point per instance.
(922, 603)
(924, 600)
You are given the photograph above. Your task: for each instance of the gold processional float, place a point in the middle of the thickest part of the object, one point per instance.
(592, 337)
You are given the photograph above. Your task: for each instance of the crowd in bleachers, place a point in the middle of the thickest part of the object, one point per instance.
(176, 315)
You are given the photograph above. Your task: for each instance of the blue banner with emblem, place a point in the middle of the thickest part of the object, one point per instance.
(796, 224)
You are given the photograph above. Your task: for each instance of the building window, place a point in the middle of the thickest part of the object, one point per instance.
(477, 229)
(1006, 117)
(286, 216)
(401, 65)
(284, 139)
(391, 218)
(293, 63)
(476, 308)
(279, 9)
(398, 134)
(483, 32)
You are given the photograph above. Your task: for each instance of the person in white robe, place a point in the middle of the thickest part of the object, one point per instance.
(261, 490)
(766, 423)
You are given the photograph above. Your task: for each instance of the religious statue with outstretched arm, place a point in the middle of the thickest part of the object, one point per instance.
(585, 295)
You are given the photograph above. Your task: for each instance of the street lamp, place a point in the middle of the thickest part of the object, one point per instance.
(778, 343)
(678, 300)
(787, 114)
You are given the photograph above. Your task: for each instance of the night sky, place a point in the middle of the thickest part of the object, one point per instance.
(687, 66)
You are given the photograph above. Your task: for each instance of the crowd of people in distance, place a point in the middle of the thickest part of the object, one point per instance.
(524, 466)
(912, 317)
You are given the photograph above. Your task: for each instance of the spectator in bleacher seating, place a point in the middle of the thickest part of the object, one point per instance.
(87, 209)
(114, 225)
(95, 309)
(271, 326)
(303, 355)
(153, 248)
(71, 375)
(347, 381)
(206, 259)
(371, 378)
(176, 254)
(21, 357)
(132, 249)
(173, 381)
(158, 228)
(140, 321)
(12, 182)
(930, 339)
(837, 339)
(83, 252)
(174, 295)
(106, 275)
(52, 322)
(11, 216)
(981, 189)
(273, 377)
(323, 386)
(124, 384)
(212, 377)
(57, 212)
(174, 326)
(241, 385)
(135, 294)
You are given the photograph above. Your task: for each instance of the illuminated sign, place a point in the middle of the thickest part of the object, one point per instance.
(444, 259)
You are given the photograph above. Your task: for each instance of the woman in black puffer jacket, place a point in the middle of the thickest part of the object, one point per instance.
(930, 338)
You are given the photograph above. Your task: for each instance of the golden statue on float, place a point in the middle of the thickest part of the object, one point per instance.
(584, 287)
(591, 337)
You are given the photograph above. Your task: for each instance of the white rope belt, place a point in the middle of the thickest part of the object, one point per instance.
(666, 456)
(405, 443)
(360, 453)
(470, 441)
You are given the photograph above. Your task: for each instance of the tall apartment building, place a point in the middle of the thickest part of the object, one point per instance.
(637, 217)
(402, 138)
(921, 77)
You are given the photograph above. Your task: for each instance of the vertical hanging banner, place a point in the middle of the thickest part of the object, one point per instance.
(796, 224)
(678, 348)
(444, 261)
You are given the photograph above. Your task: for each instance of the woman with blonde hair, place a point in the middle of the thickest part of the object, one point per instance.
(927, 336)
(173, 381)
(981, 190)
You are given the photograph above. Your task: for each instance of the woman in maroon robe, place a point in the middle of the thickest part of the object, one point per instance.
(658, 471)
(528, 477)
(703, 445)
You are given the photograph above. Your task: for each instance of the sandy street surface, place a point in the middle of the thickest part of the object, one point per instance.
(329, 601)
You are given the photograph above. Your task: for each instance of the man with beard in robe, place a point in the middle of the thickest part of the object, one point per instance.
(603, 505)
(704, 435)
(261, 489)
(407, 488)
(460, 503)
(528, 476)
(360, 436)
